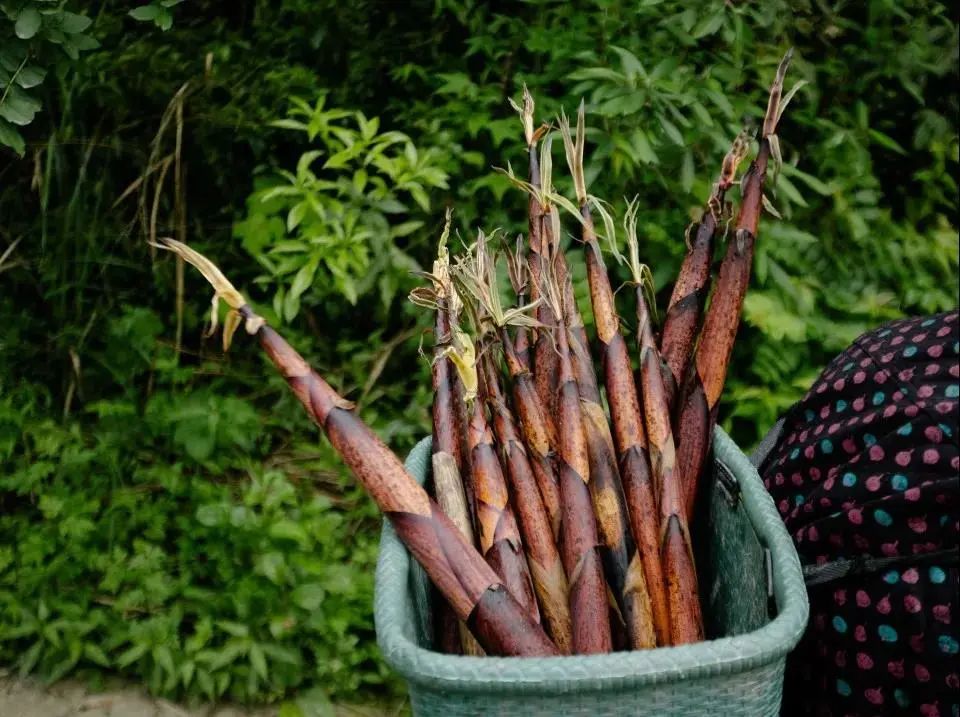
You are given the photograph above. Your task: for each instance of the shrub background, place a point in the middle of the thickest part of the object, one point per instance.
(165, 510)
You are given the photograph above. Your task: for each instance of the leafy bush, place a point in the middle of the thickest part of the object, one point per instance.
(241, 588)
(342, 225)
(35, 36)
(222, 573)
(159, 511)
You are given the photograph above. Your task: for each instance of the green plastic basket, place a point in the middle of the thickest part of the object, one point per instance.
(755, 606)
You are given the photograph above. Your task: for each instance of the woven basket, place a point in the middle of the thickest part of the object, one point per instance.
(754, 602)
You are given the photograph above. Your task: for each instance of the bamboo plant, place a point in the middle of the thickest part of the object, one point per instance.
(580, 526)
(499, 622)
(540, 221)
(636, 573)
(580, 544)
(476, 274)
(682, 318)
(447, 456)
(676, 548)
(537, 424)
(707, 374)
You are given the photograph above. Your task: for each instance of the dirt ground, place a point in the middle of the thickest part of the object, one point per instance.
(69, 698)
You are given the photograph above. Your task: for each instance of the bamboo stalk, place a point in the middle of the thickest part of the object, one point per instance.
(538, 211)
(521, 342)
(539, 432)
(676, 551)
(698, 410)
(459, 401)
(447, 457)
(518, 271)
(580, 544)
(690, 290)
(475, 273)
(543, 557)
(448, 487)
(544, 247)
(500, 623)
(499, 535)
(500, 541)
(635, 575)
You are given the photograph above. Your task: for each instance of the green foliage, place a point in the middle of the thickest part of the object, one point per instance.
(336, 234)
(171, 516)
(240, 588)
(36, 37)
(159, 13)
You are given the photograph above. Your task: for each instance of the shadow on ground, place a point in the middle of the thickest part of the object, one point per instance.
(71, 698)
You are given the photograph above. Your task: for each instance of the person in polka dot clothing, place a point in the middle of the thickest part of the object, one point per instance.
(865, 471)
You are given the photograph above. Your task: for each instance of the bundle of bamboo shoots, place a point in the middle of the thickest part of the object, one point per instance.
(560, 521)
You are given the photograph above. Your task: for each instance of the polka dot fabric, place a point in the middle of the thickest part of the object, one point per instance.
(867, 467)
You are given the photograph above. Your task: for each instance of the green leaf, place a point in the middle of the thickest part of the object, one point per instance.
(642, 146)
(236, 629)
(309, 596)
(218, 659)
(708, 25)
(198, 436)
(296, 215)
(187, 670)
(13, 55)
(95, 653)
(808, 179)
(206, 683)
(671, 130)
(289, 124)
(30, 76)
(792, 193)
(406, 228)
(132, 655)
(72, 51)
(286, 529)
(341, 159)
(632, 67)
(18, 107)
(623, 105)
(29, 658)
(11, 137)
(285, 655)
(702, 114)
(420, 196)
(886, 141)
(73, 23)
(304, 277)
(687, 172)
(84, 42)
(391, 206)
(767, 313)
(303, 164)
(164, 657)
(258, 661)
(28, 22)
(145, 13)
(211, 515)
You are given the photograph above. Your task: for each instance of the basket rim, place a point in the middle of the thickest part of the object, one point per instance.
(515, 675)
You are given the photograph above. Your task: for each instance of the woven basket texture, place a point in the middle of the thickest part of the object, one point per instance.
(754, 601)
